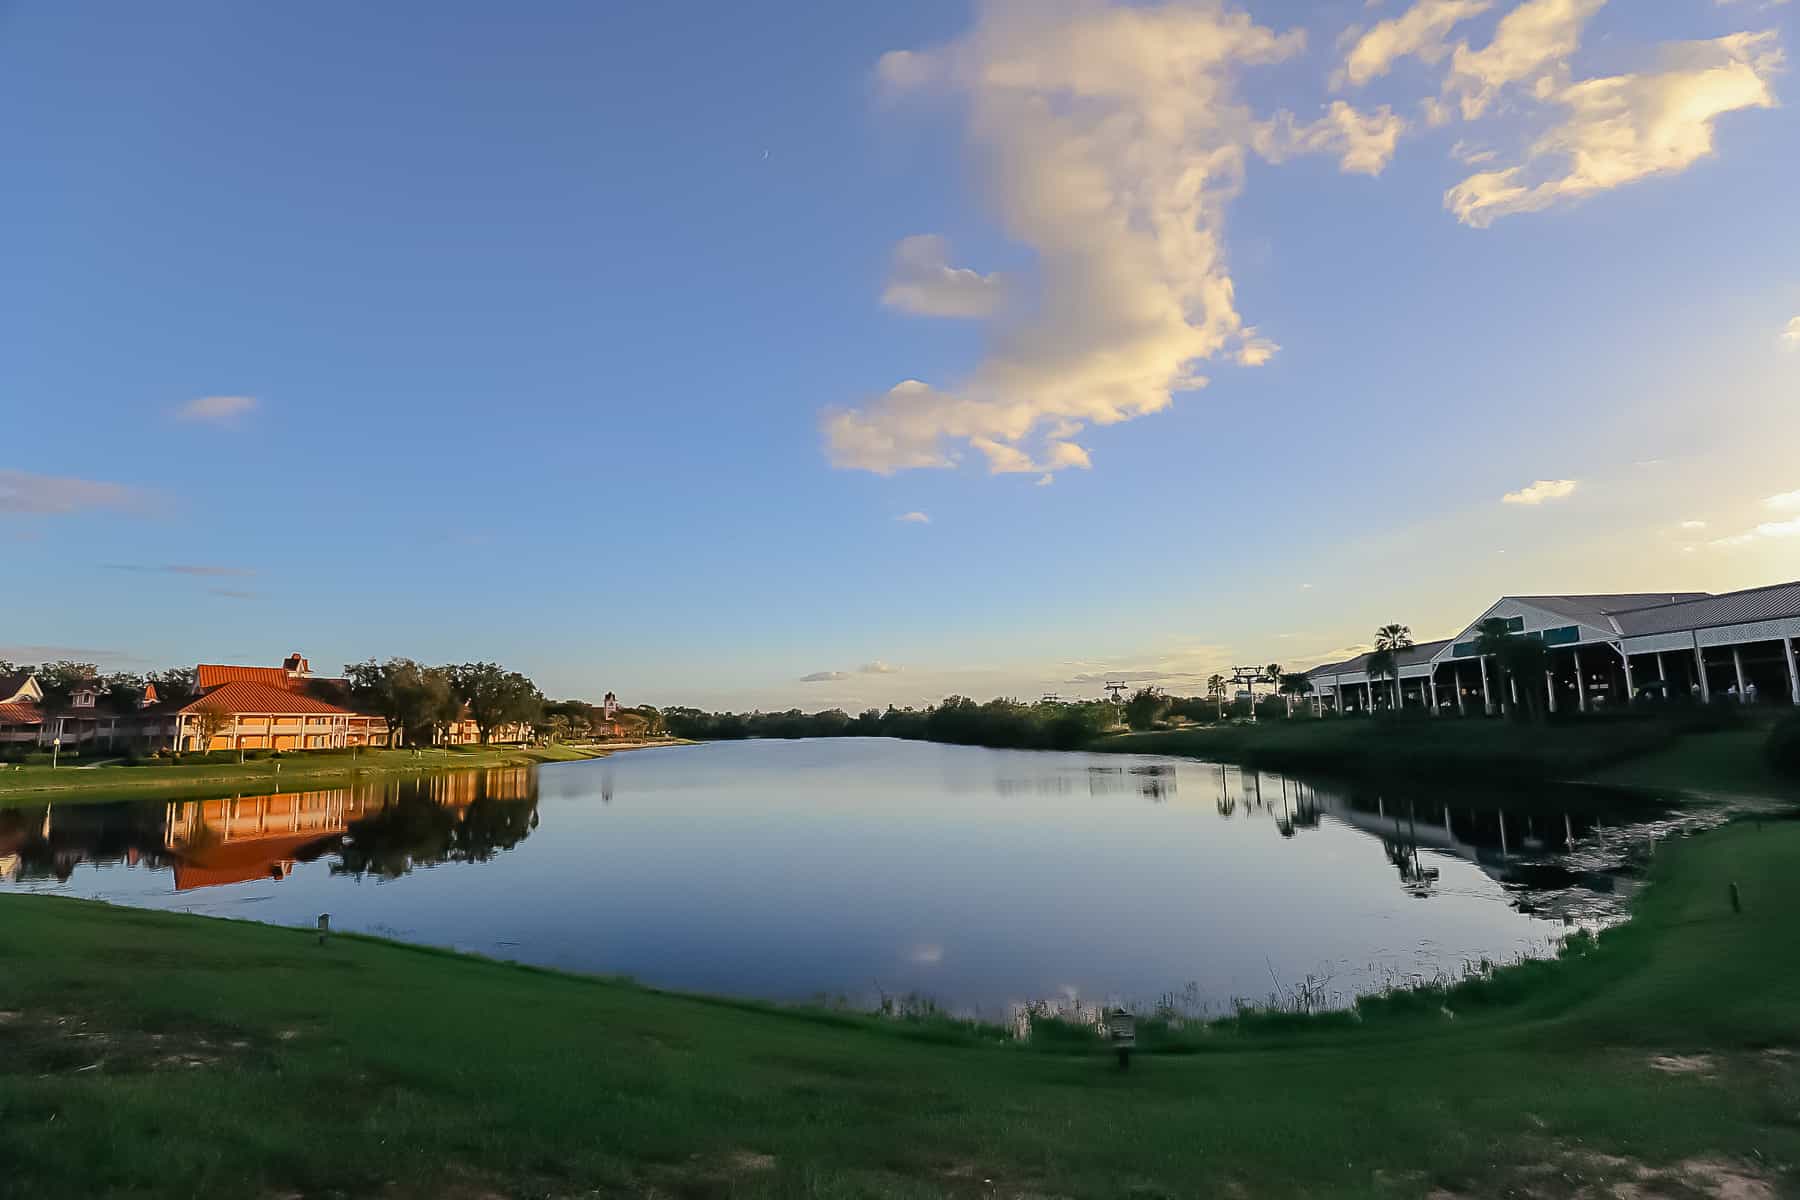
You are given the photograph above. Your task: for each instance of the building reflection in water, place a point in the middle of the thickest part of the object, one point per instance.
(386, 828)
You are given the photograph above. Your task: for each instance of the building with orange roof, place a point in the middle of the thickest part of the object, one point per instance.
(272, 708)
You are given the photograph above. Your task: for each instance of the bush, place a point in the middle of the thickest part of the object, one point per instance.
(1782, 750)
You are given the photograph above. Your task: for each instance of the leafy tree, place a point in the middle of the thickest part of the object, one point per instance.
(60, 679)
(1390, 640)
(495, 696)
(177, 685)
(1293, 685)
(416, 701)
(1146, 707)
(122, 691)
(210, 723)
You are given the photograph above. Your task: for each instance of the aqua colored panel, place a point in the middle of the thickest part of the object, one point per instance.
(1564, 636)
(1465, 650)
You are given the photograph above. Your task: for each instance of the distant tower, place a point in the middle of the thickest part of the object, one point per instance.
(609, 707)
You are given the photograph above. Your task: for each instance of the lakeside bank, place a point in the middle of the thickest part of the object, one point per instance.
(154, 778)
(1666, 755)
(150, 1054)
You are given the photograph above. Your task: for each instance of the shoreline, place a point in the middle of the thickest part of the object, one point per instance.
(79, 785)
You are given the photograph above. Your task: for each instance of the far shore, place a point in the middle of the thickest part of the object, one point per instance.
(79, 784)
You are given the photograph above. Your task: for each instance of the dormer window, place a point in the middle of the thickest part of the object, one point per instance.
(82, 698)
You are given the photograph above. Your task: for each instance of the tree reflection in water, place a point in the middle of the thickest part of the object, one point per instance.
(420, 832)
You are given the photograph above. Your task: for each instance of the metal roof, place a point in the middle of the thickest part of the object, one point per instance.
(1412, 656)
(1777, 601)
(1595, 609)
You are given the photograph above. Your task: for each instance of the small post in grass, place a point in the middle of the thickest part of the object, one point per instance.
(1121, 1031)
(324, 927)
(1737, 901)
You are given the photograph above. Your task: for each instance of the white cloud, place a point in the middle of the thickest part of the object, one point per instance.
(825, 677)
(1790, 337)
(1421, 30)
(914, 518)
(1541, 491)
(1768, 529)
(1113, 140)
(1533, 41)
(878, 668)
(1786, 501)
(216, 409)
(1362, 143)
(26, 493)
(1623, 128)
(1693, 524)
(924, 283)
(1045, 480)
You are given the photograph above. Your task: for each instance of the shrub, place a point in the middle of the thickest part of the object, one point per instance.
(1782, 750)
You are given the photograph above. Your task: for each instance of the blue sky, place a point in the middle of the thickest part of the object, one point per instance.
(566, 337)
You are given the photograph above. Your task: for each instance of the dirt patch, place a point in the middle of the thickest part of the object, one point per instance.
(1682, 1064)
(45, 1044)
(743, 1161)
(1726, 1180)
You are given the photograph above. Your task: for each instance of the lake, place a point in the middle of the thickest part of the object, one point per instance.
(856, 869)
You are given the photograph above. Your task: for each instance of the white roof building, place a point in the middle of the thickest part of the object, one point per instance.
(1603, 649)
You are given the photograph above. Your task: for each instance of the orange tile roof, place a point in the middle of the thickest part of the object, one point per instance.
(250, 696)
(21, 714)
(211, 675)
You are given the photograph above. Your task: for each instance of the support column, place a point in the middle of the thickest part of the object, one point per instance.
(1512, 684)
(1550, 688)
(1431, 695)
(1487, 697)
(1630, 686)
(1462, 707)
(1661, 674)
(1787, 644)
(1580, 683)
(1700, 668)
(1737, 664)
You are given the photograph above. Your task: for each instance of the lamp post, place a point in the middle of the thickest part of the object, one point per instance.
(55, 749)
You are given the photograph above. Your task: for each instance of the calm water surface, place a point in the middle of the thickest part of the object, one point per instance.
(858, 868)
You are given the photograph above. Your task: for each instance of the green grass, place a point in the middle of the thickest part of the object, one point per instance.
(69, 784)
(1444, 748)
(1720, 764)
(146, 1054)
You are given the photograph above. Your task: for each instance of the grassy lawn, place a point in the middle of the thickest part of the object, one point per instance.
(71, 784)
(1719, 764)
(1448, 748)
(145, 1054)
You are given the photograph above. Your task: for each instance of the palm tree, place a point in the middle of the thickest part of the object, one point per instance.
(1390, 640)
(1493, 639)
(1272, 673)
(1215, 689)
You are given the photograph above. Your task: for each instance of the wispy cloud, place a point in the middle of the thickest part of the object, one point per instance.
(1542, 491)
(825, 677)
(924, 283)
(1785, 502)
(878, 668)
(1423, 30)
(1768, 529)
(914, 518)
(1790, 337)
(217, 410)
(36, 654)
(231, 593)
(1693, 524)
(180, 569)
(1623, 128)
(26, 493)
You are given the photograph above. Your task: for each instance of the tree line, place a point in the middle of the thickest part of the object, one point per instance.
(1003, 723)
(415, 699)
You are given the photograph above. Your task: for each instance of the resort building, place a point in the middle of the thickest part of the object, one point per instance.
(273, 708)
(1604, 650)
(21, 707)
